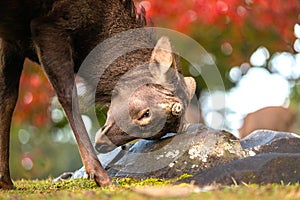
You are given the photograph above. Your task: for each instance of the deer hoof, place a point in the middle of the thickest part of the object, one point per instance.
(176, 109)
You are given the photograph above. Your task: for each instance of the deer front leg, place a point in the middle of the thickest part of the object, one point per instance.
(11, 64)
(54, 49)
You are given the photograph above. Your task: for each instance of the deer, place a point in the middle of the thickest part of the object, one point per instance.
(275, 118)
(58, 35)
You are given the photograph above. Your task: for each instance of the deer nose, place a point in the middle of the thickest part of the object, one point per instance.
(104, 147)
(102, 142)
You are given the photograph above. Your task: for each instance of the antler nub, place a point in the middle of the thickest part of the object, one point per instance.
(176, 109)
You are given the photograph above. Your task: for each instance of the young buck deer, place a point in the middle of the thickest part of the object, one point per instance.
(59, 34)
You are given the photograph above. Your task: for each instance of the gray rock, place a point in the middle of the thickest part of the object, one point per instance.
(261, 169)
(264, 137)
(274, 157)
(278, 145)
(265, 141)
(210, 156)
(190, 152)
(193, 151)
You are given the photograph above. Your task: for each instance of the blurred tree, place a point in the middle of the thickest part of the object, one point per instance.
(34, 97)
(35, 153)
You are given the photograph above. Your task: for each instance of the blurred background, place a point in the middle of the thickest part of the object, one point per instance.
(254, 43)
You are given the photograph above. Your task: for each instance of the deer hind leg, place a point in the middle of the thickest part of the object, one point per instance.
(54, 48)
(11, 64)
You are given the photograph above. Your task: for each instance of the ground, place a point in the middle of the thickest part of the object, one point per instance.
(145, 189)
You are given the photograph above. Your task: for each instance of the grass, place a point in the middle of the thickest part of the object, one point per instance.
(145, 189)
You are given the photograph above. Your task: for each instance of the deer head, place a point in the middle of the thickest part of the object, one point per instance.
(148, 102)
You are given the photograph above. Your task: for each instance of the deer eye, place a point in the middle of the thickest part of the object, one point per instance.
(145, 114)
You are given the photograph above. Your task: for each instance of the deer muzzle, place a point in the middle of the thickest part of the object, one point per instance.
(103, 143)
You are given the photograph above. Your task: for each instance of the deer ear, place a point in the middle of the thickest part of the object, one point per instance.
(161, 58)
(190, 86)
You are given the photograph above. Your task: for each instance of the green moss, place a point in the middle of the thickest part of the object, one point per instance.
(144, 182)
(124, 189)
(148, 181)
(49, 185)
(183, 176)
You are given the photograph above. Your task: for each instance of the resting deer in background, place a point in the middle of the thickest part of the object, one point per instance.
(59, 34)
(272, 118)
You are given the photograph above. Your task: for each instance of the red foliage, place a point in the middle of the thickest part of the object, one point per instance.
(280, 15)
(35, 95)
